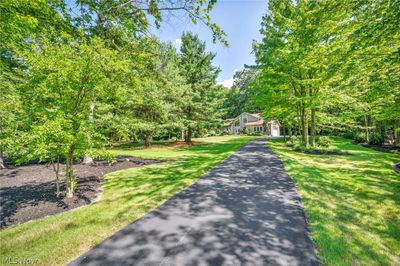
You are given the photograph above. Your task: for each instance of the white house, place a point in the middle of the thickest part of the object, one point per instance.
(252, 123)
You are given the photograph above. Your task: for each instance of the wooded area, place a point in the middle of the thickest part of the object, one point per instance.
(331, 67)
(77, 75)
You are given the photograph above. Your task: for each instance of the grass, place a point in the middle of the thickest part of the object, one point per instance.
(352, 202)
(142, 144)
(128, 195)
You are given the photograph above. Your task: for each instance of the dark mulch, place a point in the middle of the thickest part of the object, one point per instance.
(323, 152)
(397, 167)
(28, 192)
(383, 148)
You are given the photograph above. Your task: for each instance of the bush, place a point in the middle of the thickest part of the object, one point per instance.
(356, 136)
(212, 133)
(245, 131)
(376, 139)
(255, 134)
(324, 142)
(293, 140)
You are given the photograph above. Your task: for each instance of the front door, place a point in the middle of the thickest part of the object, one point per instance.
(275, 131)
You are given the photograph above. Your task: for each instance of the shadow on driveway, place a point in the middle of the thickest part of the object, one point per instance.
(245, 211)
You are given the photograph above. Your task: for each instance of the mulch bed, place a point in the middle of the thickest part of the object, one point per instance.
(397, 167)
(320, 152)
(383, 148)
(28, 192)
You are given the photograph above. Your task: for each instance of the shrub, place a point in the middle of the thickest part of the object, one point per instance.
(376, 139)
(255, 134)
(356, 136)
(299, 145)
(324, 142)
(245, 131)
(212, 133)
(293, 140)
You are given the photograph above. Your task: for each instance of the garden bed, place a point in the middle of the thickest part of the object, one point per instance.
(28, 192)
(322, 152)
(383, 148)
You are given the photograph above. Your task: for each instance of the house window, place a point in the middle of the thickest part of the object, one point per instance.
(245, 120)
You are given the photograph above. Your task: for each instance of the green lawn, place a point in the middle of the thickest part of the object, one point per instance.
(141, 144)
(352, 202)
(128, 194)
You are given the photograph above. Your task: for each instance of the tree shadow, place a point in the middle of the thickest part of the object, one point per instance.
(245, 211)
(32, 201)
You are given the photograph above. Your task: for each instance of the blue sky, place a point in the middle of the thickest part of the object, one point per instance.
(240, 19)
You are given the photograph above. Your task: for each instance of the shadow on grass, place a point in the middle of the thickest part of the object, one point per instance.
(128, 194)
(244, 212)
(351, 201)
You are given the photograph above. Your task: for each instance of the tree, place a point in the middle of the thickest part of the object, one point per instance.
(295, 56)
(62, 80)
(202, 97)
(19, 21)
(119, 21)
(238, 98)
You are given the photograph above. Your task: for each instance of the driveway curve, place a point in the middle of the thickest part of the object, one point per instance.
(246, 211)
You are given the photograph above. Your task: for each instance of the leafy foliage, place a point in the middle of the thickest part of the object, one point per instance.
(201, 98)
(330, 67)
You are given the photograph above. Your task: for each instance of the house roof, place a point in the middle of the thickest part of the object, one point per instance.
(256, 123)
(259, 122)
(257, 115)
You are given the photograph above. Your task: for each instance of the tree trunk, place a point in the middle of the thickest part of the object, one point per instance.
(366, 128)
(147, 140)
(188, 137)
(2, 164)
(183, 134)
(382, 127)
(56, 168)
(87, 159)
(304, 127)
(312, 131)
(284, 132)
(396, 133)
(69, 173)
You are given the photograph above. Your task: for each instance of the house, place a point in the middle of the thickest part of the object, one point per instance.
(252, 123)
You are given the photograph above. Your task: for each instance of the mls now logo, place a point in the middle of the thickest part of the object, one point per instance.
(24, 261)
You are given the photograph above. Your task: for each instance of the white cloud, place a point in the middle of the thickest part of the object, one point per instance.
(227, 83)
(178, 43)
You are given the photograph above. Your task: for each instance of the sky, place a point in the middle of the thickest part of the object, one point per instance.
(240, 19)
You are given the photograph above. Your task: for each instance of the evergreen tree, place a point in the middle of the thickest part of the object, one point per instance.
(201, 99)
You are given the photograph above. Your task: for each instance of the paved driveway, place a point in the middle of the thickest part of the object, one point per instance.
(245, 211)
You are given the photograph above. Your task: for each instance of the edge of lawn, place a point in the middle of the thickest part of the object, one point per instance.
(128, 195)
(349, 200)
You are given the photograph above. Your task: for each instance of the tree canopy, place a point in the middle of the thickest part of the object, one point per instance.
(78, 75)
(329, 66)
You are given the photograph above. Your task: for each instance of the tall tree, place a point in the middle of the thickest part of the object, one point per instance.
(201, 99)
(120, 20)
(295, 56)
(238, 97)
(62, 81)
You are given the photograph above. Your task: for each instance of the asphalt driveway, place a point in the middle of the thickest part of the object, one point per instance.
(245, 211)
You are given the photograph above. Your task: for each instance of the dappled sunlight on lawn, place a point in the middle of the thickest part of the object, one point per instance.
(351, 201)
(128, 195)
